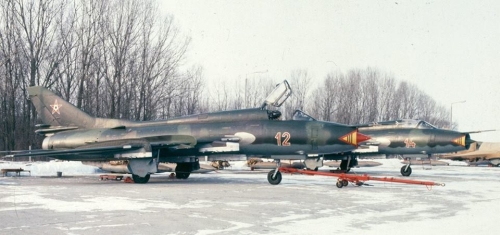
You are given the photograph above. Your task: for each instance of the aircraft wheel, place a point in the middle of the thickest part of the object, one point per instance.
(345, 183)
(182, 175)
(182, 171)
(406, 171)
(140, 180)
(339, 184)
(276, 180)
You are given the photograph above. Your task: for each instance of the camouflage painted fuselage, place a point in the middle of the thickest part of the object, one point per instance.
(74, 135)
(235, 134)
(417, 141)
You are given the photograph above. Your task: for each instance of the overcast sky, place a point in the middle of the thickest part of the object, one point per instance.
(449, 49)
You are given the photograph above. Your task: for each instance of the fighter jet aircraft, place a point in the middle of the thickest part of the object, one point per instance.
(479, 151)
(72, 134)
(400, 137)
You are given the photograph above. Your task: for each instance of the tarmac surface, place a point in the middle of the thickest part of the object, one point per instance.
(243, 202)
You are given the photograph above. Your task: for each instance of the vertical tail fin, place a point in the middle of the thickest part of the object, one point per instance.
(55, 111)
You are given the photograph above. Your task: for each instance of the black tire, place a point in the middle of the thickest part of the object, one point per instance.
(276, 180)
(182, 171)
(339, 184)
(406, 171)
(182, 175)
(140, 180)
(345, 183)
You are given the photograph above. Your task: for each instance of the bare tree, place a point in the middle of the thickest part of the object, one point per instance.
(325, 97)
(387, 86)
(194, 88)
(29, 45)
(300, 83)
(365, 96)
(10, 72)
(111, 58)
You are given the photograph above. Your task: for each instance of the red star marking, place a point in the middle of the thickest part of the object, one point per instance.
(55, 107)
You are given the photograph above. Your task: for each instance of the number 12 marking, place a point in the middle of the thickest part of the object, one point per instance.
(286, 137)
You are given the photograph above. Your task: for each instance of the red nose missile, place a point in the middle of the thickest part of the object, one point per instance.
(354, 138)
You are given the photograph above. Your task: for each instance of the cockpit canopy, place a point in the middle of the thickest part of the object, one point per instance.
(278, 96)
(301, 116)
(401, 123)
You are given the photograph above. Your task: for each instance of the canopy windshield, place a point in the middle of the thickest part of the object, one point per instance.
(279, 95)
(299, 115)
(403, 123)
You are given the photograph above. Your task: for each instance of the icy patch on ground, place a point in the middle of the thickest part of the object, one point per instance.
(27, 199)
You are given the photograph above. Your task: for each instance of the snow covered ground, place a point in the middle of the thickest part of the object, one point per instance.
(51, 168)
(239, 201)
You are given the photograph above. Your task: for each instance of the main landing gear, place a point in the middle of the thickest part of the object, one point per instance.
(347, 164)
(182, 171)
(140, 180)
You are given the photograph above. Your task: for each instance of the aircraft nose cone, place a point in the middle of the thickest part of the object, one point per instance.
(361, 137)
(354, 138)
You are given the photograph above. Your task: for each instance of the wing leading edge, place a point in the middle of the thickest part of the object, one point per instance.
(116, 149)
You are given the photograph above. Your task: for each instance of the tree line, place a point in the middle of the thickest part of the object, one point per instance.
(357, 96)
(124, 59)
(116, 59)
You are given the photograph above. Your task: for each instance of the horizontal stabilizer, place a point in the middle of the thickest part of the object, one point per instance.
(55, 129)
(475, 132)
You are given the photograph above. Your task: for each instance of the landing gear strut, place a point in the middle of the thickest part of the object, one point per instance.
(344, 165)
(274, 179)
(274, 176)
(347, 164)
(406, 169)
